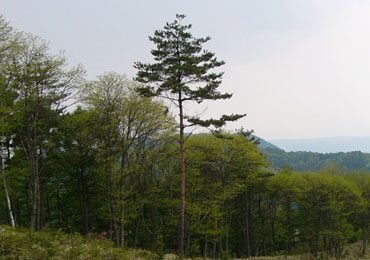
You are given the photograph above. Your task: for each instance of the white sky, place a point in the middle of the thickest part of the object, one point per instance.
(298, 68)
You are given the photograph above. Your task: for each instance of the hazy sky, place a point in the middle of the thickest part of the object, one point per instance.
(298, 68)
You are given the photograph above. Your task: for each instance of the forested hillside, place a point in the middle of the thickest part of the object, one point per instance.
(309, 161)
(102, 158)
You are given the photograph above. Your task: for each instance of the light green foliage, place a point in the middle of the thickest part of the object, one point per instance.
(328, 205)
(128, 130)
(285, 188)
(220, 169)
(25, 244)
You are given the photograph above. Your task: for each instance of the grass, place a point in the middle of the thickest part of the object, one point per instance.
(21, 243)
(351, 252)
(24, 244)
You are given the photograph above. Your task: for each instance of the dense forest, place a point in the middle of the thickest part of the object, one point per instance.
(100, 157)
(311, 161)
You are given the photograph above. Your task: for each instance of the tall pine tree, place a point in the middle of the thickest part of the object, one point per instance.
(182, 72)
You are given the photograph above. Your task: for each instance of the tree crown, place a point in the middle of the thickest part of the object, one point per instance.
(183, 70)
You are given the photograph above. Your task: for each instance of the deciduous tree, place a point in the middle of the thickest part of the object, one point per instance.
(42, 85)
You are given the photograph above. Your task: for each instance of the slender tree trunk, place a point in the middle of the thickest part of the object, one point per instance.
(240, 244)
(364, 236)
(154, 221)
(136, 232)
(114, 224)
(27, 192)
(247, 223)
(113, 215)
(137, 219)
(34, 181)
(122, 195)
(111, 229)
(38, 218)
(84, 202)
(227, 239)
(272, 216)
(112, 200)
(317, 236)
(289, 229)
(188, 244)
(205, 249)
(40, 215)
(17, 209)
(182, 184)
(35, 189)
(32, 150)
(12, 223)
(48, 205)
(262, 217)
(122, 215)
(5, 140)
(59, 210)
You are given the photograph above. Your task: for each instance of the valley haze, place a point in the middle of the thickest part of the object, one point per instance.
(325, 144)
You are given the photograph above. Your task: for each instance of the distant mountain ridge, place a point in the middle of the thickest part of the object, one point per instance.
(300, 160)
(325, 144)
(263, 144)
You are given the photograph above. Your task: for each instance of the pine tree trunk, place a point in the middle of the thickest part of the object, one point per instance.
(182, 184)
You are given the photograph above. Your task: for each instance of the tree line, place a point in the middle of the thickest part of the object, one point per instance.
(101, 157)
(311, 161)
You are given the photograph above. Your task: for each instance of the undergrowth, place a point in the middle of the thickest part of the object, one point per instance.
(21, 243)
(24, 244)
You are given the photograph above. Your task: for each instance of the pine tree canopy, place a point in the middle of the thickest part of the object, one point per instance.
(183, 71)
